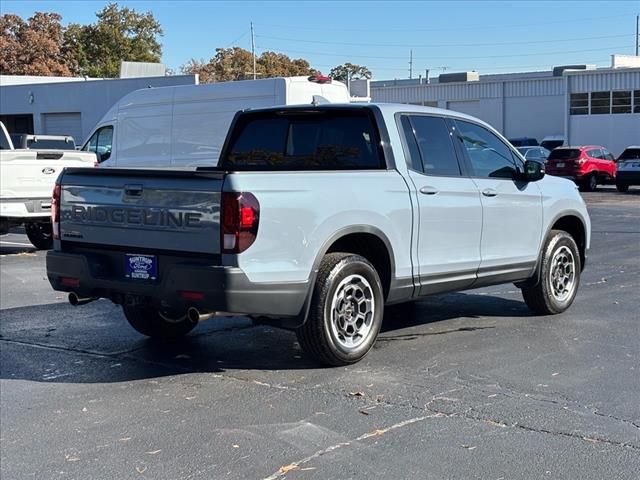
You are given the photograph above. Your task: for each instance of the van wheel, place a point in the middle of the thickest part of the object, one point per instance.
(346, 311)
(622, 187)
(151, 322)
(590, 184)
(559, 276)
(40, 235)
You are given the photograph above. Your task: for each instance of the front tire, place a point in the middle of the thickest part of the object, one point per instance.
(559, 276)
(40, 235)
(151, 322)
(346, 311)
(622, 187)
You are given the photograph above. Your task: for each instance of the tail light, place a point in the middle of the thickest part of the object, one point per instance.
(55, 211)
(240, 219)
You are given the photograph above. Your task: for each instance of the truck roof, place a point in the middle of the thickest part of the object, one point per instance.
(386, 109)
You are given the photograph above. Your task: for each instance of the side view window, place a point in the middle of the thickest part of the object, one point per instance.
(595, 153)
(489, 156)
(100, 143)
(435, 146)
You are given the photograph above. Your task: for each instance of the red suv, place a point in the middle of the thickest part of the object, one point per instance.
(588, 165)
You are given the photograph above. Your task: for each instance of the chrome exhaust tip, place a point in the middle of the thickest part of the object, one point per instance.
(195, 315)
(76, 301)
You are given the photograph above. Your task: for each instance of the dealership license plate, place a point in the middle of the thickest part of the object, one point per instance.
(141, 267)
(560, 165)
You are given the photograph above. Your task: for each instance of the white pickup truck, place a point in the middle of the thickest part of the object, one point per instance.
(317, 217)
(27, 178)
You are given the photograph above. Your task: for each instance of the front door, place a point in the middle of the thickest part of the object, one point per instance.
(511, 209)
(450, 212)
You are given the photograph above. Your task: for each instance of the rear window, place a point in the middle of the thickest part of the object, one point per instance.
(564, 154)
(304, 140)
(45, 144)
(630, 154)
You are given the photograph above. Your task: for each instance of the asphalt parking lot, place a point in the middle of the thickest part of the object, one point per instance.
(465, 385)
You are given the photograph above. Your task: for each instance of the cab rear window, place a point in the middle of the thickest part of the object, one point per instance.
(630, 154)
(304, 140)
(564, 154)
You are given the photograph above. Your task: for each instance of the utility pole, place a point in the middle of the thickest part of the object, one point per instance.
(411, 63)
(253, 50)
(637, 33)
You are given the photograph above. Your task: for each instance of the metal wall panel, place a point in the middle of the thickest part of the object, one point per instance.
(435, 92)
(534, 88)
(621, 79)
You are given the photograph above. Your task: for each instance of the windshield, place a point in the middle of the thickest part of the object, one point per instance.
(630, 154)
(551, 144)
(564, 154)
(50, 144)
(304, 140)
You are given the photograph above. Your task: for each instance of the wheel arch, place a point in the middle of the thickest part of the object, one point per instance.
(574, 225)
(365, 240)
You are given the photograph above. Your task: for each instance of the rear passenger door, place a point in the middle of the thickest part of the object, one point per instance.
(511, 209)
(449, 208)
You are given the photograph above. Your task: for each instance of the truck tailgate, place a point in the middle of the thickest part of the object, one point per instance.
(144, 209)
(31, 173)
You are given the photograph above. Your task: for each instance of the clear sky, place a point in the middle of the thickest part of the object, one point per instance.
(490, 37)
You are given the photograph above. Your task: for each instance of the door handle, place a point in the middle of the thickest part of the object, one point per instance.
(133, 190)
(429, 190)
(489, 192)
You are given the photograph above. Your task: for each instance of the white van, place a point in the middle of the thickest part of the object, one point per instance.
(185, 126)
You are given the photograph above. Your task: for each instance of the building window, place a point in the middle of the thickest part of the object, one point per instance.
(579, 103)
(600, 103)
(621, 102)
(636, 101)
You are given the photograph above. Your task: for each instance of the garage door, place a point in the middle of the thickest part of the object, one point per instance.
(63, 124)
(469, 107)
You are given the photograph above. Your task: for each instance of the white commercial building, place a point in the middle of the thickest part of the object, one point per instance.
(68, 106)
(583, 104)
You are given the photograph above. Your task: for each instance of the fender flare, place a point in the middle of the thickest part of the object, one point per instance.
(343, 232)
(535, 278)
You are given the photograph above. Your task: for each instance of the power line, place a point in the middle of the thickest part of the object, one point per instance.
(448, 57)
(543, 67)
(237, 39)
(434, 45)
(451, 29)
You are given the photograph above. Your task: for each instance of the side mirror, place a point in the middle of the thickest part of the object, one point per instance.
(533, 171)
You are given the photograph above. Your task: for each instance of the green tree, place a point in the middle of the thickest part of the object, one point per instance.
(120, 34)
(236, 63)
(34, 47)
(348, 71)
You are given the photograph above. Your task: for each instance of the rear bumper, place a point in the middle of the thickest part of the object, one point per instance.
(25, 208)
(628, 178)
(225, 289)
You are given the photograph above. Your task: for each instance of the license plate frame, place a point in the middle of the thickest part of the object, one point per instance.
(141, 267)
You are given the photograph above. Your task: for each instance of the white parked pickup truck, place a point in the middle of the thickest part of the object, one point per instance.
(315, 219)
(27, 178)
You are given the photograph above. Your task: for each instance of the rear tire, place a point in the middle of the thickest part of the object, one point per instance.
(150, 322)
(346, 311)
(622, 187)
(559, 276)
(590, 184)
(40, 235)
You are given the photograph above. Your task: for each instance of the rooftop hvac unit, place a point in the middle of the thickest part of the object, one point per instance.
(458, 77)
(557, 71)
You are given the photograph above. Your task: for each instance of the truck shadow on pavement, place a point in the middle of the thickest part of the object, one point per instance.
(94, 344)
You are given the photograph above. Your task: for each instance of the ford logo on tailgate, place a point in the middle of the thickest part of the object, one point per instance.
(48, 170)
